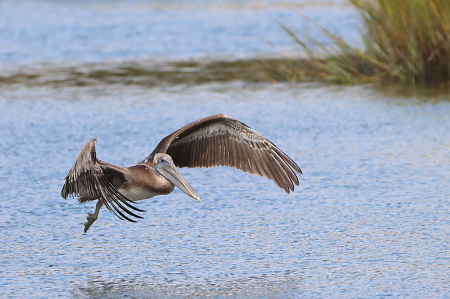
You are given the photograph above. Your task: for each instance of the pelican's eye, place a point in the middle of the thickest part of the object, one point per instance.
(163, 160)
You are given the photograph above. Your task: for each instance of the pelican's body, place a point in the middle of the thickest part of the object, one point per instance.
(143, 183)
(218, 140)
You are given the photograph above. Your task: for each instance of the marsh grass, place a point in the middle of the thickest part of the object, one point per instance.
(404, 40)
(153, 74)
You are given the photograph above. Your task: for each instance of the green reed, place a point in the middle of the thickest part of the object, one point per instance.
(404, 40)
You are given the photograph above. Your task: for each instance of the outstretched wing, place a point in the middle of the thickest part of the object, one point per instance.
(221, 140)
(88, 180)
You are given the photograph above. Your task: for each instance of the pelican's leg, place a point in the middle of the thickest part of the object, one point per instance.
(92, 217)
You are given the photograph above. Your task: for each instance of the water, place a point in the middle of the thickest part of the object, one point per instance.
(52, 31)
(369, 219)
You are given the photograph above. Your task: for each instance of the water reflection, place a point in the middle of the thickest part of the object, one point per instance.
(284, 286)
(410, 94)
(145, 73)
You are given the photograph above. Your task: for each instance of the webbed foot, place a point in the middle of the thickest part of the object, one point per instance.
(92, 217)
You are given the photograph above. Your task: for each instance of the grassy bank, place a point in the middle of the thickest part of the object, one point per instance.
(404, 40)
(153, 74)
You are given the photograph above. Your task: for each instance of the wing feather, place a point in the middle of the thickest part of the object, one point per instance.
(220, 140)
(262, 164)
(87, 181)
(234, 154)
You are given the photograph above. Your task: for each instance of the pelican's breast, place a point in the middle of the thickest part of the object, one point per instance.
(137, 193)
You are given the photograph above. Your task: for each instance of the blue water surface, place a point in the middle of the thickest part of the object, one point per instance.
(70, 32)
(370, 217)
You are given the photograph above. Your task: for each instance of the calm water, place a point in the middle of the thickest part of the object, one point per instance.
(369, 219)
(56, 31)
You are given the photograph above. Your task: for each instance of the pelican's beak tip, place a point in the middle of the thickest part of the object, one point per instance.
(198, 198)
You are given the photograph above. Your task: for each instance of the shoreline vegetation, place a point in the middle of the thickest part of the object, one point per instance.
(152, 74)
(403, 41)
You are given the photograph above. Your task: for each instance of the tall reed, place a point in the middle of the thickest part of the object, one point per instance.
(404, 40)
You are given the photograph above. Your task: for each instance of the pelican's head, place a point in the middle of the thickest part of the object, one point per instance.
(164, 166)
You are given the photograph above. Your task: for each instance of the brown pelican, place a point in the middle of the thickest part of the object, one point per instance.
(217, 140)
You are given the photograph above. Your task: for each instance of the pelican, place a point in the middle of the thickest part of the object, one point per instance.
(217, 140)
